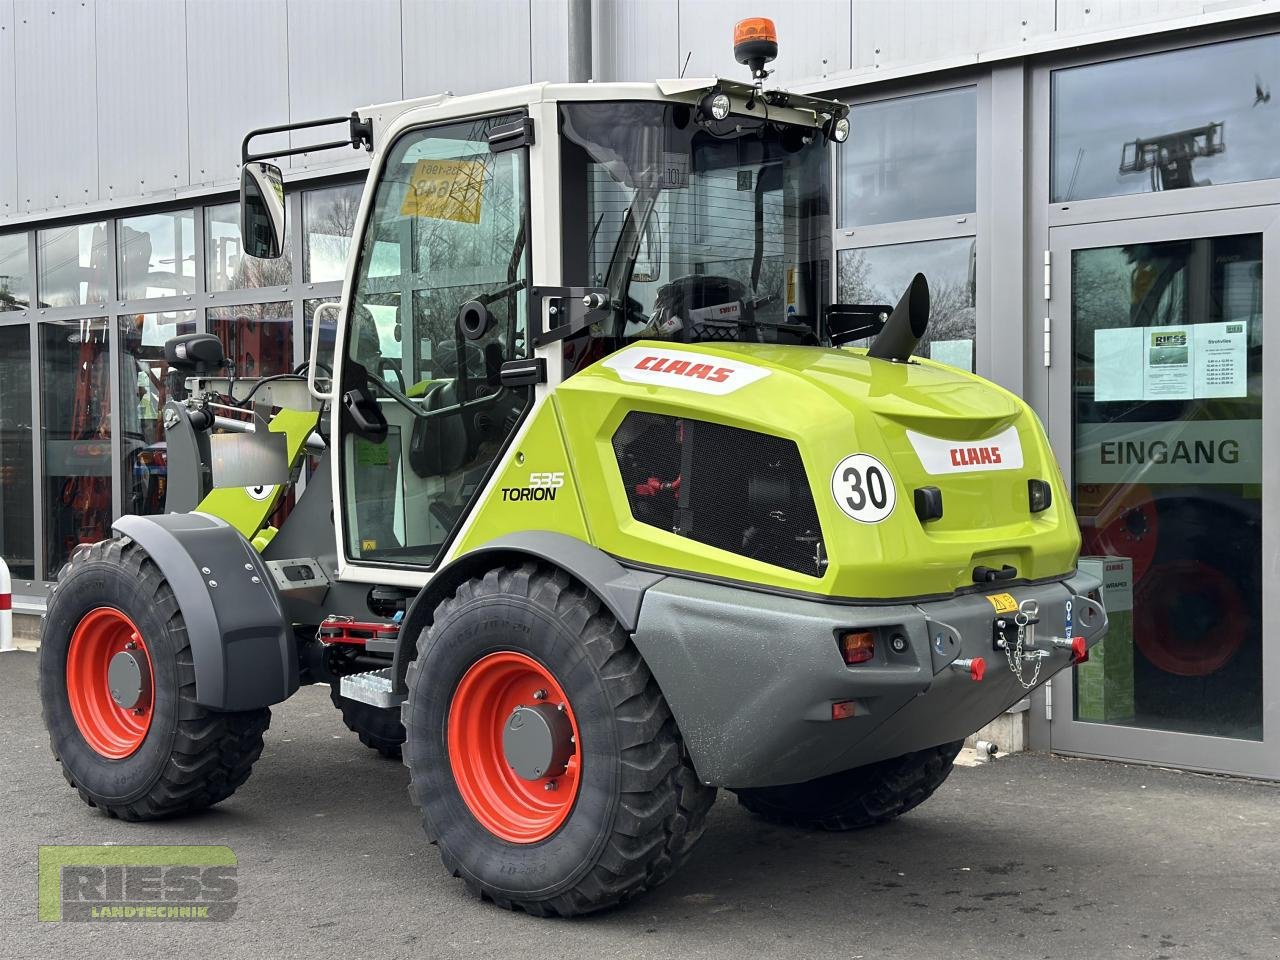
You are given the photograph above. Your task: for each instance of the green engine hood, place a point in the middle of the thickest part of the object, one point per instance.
(923, 423)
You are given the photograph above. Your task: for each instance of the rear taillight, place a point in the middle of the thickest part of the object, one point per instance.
(857, 646)
(1040, 495)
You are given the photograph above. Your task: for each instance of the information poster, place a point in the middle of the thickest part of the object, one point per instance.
(1196, 361)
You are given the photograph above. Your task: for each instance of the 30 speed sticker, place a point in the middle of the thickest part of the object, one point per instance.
(863, 489)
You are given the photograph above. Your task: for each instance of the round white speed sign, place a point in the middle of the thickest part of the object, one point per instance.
(863, 489)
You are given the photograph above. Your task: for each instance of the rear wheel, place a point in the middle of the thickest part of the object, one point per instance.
(544, 759)
(378, 728)
(117, 688)
(856, 798)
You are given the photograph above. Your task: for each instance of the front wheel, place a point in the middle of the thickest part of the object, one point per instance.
(543, 756)
(856, 798)
(117, 689)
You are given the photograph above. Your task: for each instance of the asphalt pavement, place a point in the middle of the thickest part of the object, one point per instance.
(1031, 856)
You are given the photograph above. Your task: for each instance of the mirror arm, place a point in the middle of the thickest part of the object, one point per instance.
(360, 135)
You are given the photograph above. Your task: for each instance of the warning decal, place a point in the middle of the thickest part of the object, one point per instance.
(1003, 602)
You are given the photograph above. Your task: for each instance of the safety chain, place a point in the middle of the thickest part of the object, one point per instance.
(1026, 617)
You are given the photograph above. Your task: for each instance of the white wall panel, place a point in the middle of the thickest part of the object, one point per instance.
(238, 78)
(809, 31)
(343, 54)
(142, 78)
(637, 39)
(1077, 15)
(464, 45)
(57, 114)
(8, 115)
(892, 33)
(549, 40)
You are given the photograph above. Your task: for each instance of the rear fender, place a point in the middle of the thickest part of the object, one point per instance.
(244, 653)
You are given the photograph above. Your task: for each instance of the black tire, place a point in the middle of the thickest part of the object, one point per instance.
(378, 728)
(856, 798)
(191, 757)
(639, 809)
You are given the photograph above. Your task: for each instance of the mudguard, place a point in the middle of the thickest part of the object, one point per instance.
(245, 654)
(619, 589)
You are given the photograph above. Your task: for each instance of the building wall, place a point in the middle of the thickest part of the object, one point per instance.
(142, 100)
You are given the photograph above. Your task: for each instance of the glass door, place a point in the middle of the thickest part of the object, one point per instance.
(1157, 413)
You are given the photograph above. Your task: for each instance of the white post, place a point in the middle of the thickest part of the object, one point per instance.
(6, 609)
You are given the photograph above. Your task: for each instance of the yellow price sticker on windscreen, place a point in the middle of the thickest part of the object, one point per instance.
(1003, 602)
(445, 190)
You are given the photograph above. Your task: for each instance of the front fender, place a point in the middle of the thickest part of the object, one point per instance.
(244, 653)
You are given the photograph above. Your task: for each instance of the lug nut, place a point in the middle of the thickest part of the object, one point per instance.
(549, 785)
(540, 695)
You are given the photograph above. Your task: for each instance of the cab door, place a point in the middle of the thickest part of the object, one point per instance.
(426, 412)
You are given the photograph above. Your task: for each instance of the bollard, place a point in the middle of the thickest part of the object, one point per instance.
(6, 609)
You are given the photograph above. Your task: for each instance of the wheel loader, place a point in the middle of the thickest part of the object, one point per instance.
(599, 504)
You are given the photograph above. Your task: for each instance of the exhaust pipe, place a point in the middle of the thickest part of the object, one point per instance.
(906, 325)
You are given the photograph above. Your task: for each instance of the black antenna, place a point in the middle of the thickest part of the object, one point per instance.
(686, 64)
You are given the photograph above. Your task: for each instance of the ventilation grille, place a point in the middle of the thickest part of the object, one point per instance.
(734, 489)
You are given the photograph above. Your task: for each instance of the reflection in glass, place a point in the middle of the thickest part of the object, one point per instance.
(1168, 480)
(75, 404)
(257, 338)
(74, 264)
(229, 267)
(157, 255)
(17, 528)
(910, 158)
(1167, 121)
(329, 220)
(882, 274)
(15, 274)
(143, 374)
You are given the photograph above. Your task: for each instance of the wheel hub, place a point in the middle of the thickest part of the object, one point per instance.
(127, 677)
(537, 741)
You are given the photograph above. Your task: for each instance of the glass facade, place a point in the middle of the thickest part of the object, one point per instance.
(17, 504)
(226, 264)
(882, 275)
(157, 255)
(328, 221)
(111, 292)
(74, 264)
(1166, 121)
(910, 158)
(75, 434)
(15, 273)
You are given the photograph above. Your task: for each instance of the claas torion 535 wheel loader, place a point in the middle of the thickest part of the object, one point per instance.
(607, 505)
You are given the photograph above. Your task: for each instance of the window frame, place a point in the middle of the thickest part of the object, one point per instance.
(950, 227)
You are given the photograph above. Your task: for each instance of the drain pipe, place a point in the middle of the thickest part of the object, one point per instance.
(6, 609)
(579, 41)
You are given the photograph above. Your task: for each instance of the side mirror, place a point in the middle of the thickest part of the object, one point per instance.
(262, 210)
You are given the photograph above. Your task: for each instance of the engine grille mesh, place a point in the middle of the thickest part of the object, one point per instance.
(735, 489)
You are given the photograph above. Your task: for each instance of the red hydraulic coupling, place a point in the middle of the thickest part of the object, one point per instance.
(1079, 649)
(976, 667)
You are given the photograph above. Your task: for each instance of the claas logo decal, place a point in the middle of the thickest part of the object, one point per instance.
(938, 455)
(684, 368)
(660, 367)
(968, 456)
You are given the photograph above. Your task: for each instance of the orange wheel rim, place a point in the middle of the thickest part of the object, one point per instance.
(113, 728)
(516, 808)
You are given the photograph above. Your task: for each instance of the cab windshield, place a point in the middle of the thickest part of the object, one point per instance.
(699, 229)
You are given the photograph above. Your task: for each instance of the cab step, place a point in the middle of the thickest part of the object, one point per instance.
(373, 688)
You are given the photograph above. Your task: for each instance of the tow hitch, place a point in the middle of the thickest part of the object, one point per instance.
(1015, 635)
